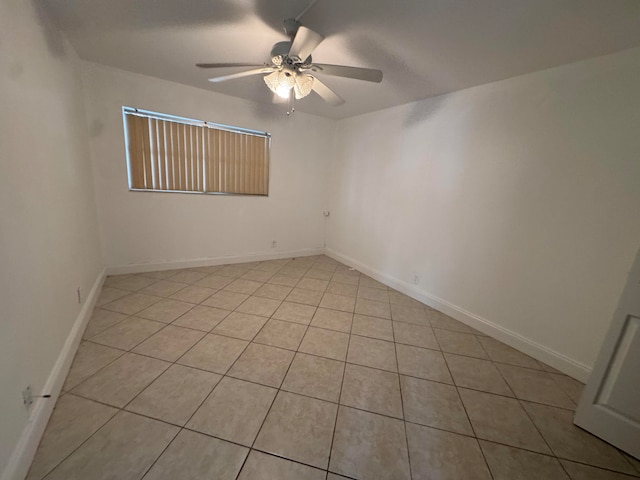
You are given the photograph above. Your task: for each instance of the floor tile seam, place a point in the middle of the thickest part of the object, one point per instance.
(270, 298)
(227, 289)
(164, 296)
(197, 329)
(580, 462)
(280, 285)
(215, 290)
(272, 346)
(420, 324)
(52, 469)
(300, 303)
(211, 332)
(464, 407)
(344, 371)
(171, 297)
(161, 453)
(539, 370)
(278, 346)
(130, 290)
(170, 364)
(555, 381)
(335, 310)
(124, 409)
(550, 455)
(124, 352)
(137, 311)
(633, 467)
(404, 417)
(282, 457)
(206, 397)
(105, 329)
(145, 339)
(462, 403)
(372, 338)
(241, 353)
(278, 390)
(254, 314)
(398, 372)
(338, 403)
(519, 397)
(193, 305)
(489, 359)
(322, 292)
(93, 342)
(504, 363)
(544, 439)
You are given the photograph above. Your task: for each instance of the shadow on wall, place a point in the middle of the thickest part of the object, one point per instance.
(406, 80)
(420, 111)
(53, 37)
(268, 111)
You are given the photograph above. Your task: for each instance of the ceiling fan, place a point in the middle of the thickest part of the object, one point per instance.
(290, 75)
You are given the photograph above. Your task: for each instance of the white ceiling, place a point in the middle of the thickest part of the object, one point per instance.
(424, 47)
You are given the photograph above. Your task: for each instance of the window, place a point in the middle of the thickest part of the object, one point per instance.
(173, 154)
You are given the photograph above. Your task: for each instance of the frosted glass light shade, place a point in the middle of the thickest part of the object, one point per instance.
(303, 85)
(280, 83)
(283, 81)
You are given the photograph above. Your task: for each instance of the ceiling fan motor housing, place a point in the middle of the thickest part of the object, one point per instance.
(280, 56)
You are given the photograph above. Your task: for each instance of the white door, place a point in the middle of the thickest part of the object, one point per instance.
(610, 405)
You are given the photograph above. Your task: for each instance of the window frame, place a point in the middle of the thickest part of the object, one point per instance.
(198, 123)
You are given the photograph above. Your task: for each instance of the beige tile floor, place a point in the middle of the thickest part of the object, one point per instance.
(305, 369)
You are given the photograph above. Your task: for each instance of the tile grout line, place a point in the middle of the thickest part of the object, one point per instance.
(278, 390)
(532, 422)
(306, 353)
(344, 371)
(250, 341)
(550, 455)
(475, 435)
(199, 406)
(121, 409)
(404, 417)
(206, 397)
(210, 332)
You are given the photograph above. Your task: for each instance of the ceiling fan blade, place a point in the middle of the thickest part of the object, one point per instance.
(224, 65)
(326, 93)
(305, 41)
(358, 73)
(246, 73)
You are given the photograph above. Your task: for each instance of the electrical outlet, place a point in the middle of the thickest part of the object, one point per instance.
(416, 278)
(27, 397)
(274, 244)
(80, 295)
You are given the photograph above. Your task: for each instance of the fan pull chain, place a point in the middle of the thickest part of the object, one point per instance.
(291, 104)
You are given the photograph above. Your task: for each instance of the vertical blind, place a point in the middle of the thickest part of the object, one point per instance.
(173, 154)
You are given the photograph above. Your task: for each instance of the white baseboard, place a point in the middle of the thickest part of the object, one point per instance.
(208, 262)
(555, 359)
(23, 454)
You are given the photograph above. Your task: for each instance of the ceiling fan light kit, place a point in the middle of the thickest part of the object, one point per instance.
(290, 75)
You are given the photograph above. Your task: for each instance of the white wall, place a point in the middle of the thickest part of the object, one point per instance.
(49, 243)
(143, 227)
(517, 202)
